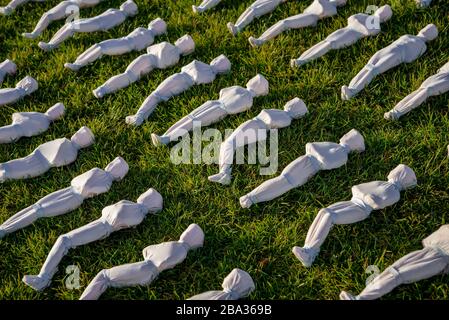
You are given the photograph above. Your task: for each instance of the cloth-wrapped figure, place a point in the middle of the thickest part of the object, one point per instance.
(423, 3)
(318, 10)
(433, 86)
(195, 73)
(103, 22)
(28, 124)
(366, 197)
(232, 100)
(159, 56)
(253, 131)
(124, 214)
(238, 284)
(61, 11)
(360, 25)
(319, 156)
(418, 265)
(7, 67)
(257, 9)
(87, 185)
(23, 88)
(406, 49)
(137, 40)
(205, 5)
(10, 7)
(157, 258)
(56, 153)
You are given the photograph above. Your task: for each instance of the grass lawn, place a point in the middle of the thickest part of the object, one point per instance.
(258, 240)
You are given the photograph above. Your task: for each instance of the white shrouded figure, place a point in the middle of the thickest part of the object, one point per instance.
(10, 7)
(87, 185)
(157, 258)
(103, 22)
(237, 284)
(56, 153)
(7, 67)
(23, 88)
(318, 10)
(28, 124)
(359, 26)
(205, 5)
(319, 156)
(406, 49)
(418, 265)
(433, 86)
(195, 73)
(423, 3)
(159, 56)
(253, 131)
(257, 9)
(232, 100)
(61, 11)
(137, 40)
(121, 215)
(366, 197)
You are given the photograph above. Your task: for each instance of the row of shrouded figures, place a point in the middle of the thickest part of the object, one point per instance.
(375, 195)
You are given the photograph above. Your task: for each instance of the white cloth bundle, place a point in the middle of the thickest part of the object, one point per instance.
(319, 156)
(159, 56)
(62, 10)
(28, 124)
(318, 10)
(433, 86)
(359, 26)
(366, 197)
(232, 100)
(87, 185)
(205, 5)
(422, 264)
(10, 7)
(255, 130)
(406, 49)
(195, 73)
(7, 67)
(257, 9)
(157, 258)
(124, 214)
(423, 3)
(238, 284)
(24, 87)
(103, 22)
(137, 40)
(56, 153)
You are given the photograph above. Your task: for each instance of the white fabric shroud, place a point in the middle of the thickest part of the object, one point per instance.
(433, 86)
(257, 9)
(11, 6)
(255, 130)
(56, 153)
(61, 11)
(360, 25)
(238, 284)
(406, 49)
(87, 185)
(422, 264)
(28, 124)
(366, 197)
(159, 56)
(232, 100)
(157, 258)
(24, 87)
(205, 5)
(122, 215)
(137, 40)
(7, 67)
(103, 22)
(195, 73)
(319, 156)
(318, 10)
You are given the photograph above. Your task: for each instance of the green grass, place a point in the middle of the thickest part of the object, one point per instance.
(258, 240)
